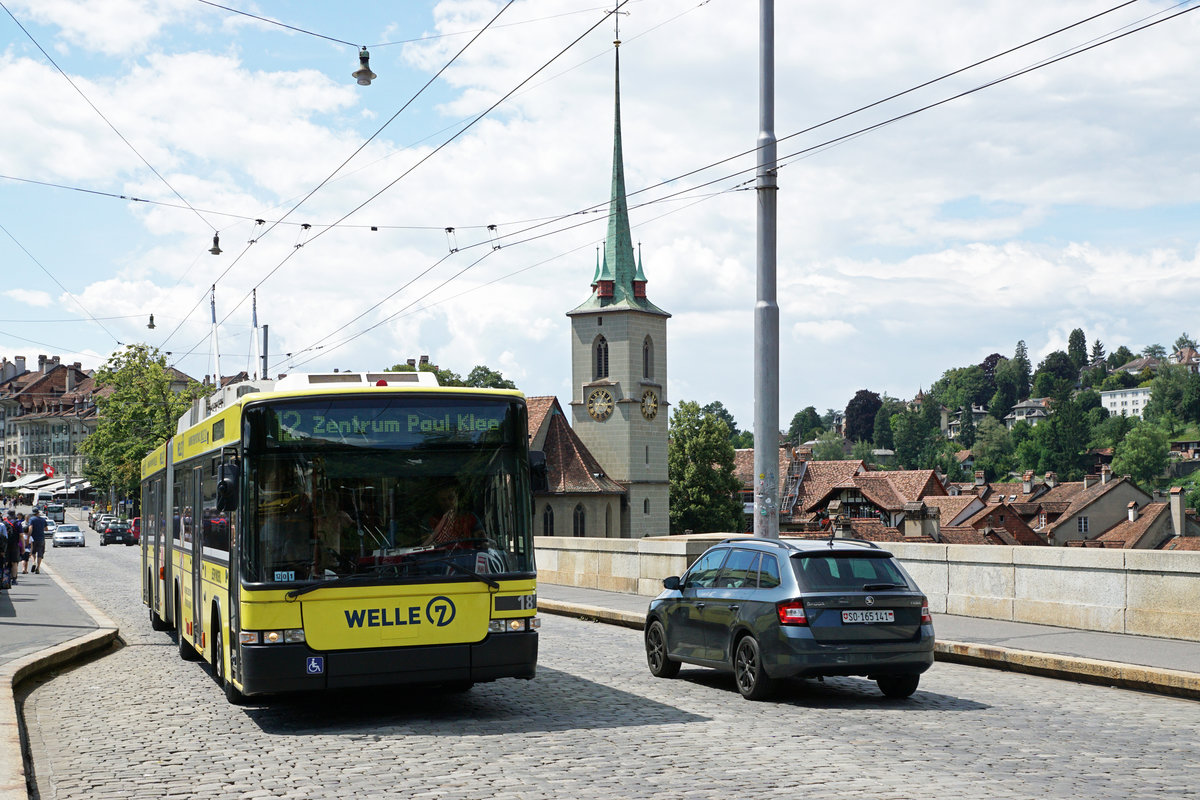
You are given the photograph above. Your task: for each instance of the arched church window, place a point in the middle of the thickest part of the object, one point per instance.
(580, 521)
(548, 521)
(647, 358)
(646, 506)
(600, 360)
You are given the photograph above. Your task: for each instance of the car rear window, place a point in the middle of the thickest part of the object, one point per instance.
(847, 572)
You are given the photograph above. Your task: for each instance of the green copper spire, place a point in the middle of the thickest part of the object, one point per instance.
(618, 266)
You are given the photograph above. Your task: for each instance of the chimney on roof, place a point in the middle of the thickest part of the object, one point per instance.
(20, 362)
(1027, 482)
(1177, 519)
(1090, 480)
(921, 520)
(979, 478)
(1105, 473)
(1133, 510)
(1051, 479)
(69, 386)
(803, 453)
(41, 364)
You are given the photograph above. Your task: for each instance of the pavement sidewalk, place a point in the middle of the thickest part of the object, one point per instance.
(44, 623)
(1165, 666)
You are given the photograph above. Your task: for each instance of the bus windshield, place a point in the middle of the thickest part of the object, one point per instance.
(413, 487)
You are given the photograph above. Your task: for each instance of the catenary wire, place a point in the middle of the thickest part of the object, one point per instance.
(120, 135)
(822, 145)
(315, 190)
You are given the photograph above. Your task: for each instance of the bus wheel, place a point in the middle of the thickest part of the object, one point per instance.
(232, 694)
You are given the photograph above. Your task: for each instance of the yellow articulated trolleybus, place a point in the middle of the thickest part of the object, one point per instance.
(345, 530)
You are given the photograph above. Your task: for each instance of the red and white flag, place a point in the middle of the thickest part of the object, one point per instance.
(49, 470)
(16, 469)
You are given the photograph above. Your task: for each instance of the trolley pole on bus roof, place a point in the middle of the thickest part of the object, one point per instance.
(766, 307)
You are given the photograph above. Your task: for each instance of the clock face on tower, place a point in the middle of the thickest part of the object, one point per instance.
(600, 404)
(649, 404)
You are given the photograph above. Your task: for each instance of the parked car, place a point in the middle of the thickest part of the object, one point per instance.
(69, 535)
(116, 531)
(102, 520)
(135, 527)
(770, 609)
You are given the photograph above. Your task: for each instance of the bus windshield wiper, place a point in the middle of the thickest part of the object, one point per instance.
(465, 570)
(344, 579)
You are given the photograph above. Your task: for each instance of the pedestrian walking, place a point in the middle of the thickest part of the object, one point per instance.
(8, 566)
(12, 550)
(37, 533)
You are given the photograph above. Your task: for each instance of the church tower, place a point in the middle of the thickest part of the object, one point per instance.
(619, 367)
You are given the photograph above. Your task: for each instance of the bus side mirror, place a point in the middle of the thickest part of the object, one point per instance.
(537, 471)
(227, 487)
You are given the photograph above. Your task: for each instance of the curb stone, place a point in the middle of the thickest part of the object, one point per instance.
(13, 778)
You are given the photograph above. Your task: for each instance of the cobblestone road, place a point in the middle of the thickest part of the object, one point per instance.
(138, 722)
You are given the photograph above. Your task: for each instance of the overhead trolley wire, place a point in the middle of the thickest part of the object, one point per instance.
(831, 142)
(100, 113)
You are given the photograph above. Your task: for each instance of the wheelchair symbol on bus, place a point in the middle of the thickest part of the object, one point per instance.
(315, 665)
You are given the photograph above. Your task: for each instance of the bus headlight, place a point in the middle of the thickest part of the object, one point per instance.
(517, 625)
(288, 636)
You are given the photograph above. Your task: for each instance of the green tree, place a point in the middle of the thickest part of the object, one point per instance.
(962, 386)
(1063, 437)
(1008, 379)
(137, 416)
(1174, 397)
(703, 487)
(883, 429)
(862, 450)
(829, 447)
(1077, 348)
(1024, 370)
(484, 377)
(860, 414)
(1097, 355)
(993, 449)
(1118, 380)
(908, 436)
(1184, 341)
(1154, 351)
(1113, 430)
(1057, 371)
(1120, 357)
(806, 423)
(1143, 454)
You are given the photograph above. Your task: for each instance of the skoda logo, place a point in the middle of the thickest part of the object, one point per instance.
(870, 600)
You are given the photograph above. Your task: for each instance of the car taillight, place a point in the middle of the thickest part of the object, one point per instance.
(791, 612)
(925, 618)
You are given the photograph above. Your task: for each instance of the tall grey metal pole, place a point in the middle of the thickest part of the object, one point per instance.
(264, 353)
(766, 307)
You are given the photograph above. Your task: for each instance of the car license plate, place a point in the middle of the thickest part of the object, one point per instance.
(867, 617)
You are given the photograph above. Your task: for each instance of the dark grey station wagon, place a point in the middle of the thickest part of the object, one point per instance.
(769, 609)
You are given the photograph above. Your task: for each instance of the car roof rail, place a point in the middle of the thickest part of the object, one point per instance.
(757, 540)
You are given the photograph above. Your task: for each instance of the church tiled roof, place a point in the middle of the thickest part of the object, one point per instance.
(571, 466)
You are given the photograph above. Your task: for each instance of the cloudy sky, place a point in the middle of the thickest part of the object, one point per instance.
(135, 130)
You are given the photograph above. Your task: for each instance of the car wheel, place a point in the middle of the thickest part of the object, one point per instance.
(752, 680)
(661, 665)
(898, 686)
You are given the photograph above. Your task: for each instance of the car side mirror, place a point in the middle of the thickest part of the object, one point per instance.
(227, 487)
(671, 583)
